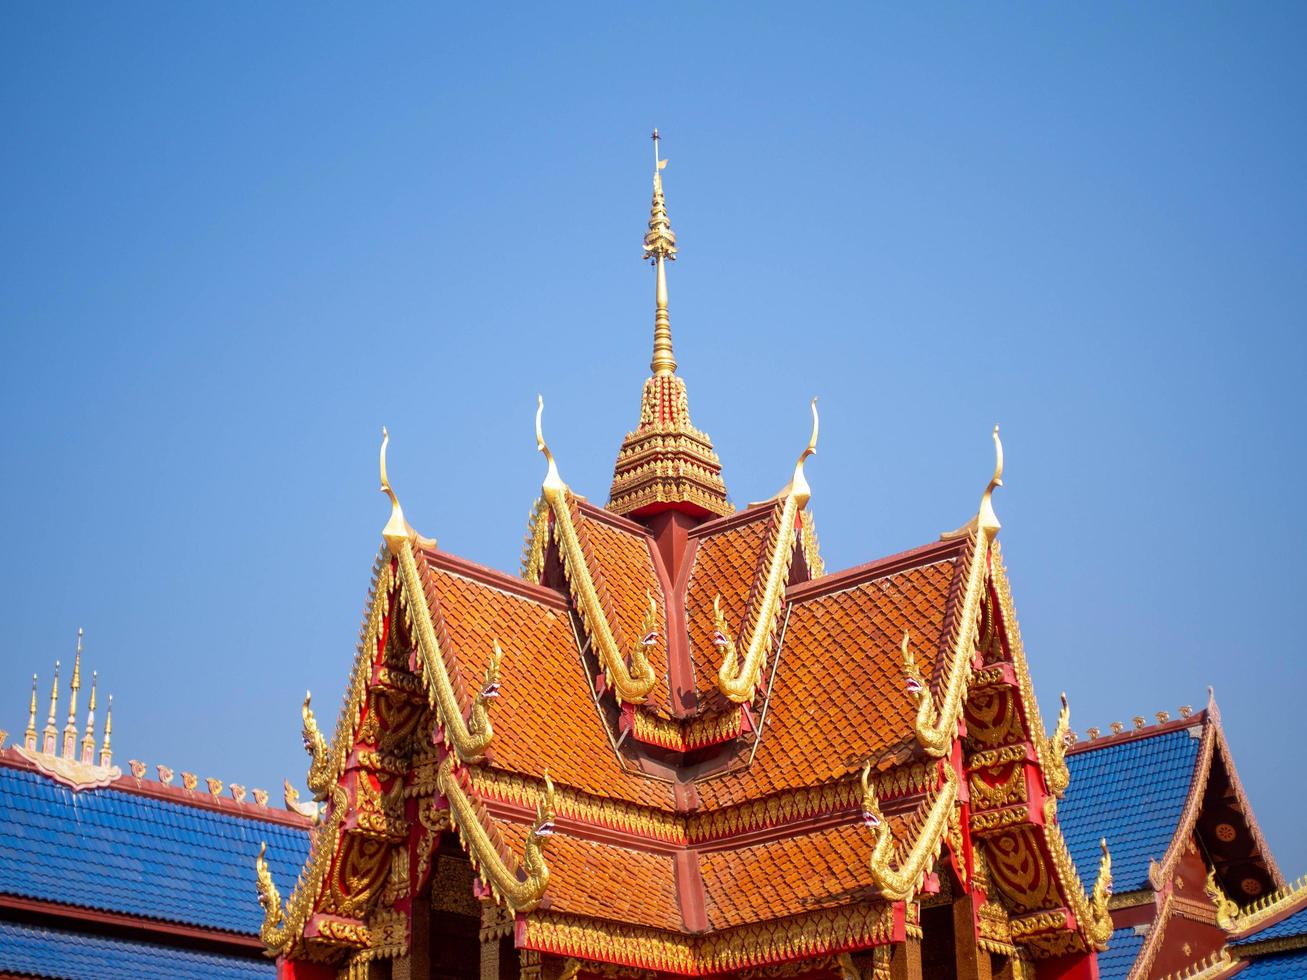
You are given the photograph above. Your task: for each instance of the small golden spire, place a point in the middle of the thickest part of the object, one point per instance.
(660, 248)
(106, 750)
(553, 481)
(88, 740)
(396, 529)
(50, 735)
(988, 520)
(70, 729)
(29, 737)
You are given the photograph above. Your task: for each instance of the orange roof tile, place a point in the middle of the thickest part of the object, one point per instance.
(622, 567)
(838, 697)
(784, 877)
(725, 563)
(544, 715)
(603, 880)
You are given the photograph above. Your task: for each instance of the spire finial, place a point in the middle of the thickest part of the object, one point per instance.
(553, 481)
(988, 520)
(106, 750)
(50, 734)
(29, 737)
(660, 248)
(70, 729)
(88, 739)
(396, 529)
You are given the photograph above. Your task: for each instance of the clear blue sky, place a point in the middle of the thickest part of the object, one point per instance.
(237, 240)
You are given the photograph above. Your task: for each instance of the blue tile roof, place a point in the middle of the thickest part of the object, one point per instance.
(1132, 793)
(1294, 925)
(1122, 951)
(1285, 966)
(124, 852)
(60, 955)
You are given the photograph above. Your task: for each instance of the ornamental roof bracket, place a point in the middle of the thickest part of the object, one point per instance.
(737, 677)
(629, 683)
(468, 740)
(273, 929)
(520, 895)
(1099, 927)
(935, 729)
(320, 777)
(1227, 910)
(1056, 773)
(283, 926)
(901, 883)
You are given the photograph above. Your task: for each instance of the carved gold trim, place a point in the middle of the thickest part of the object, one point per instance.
(484, 851)
(631, 684)
(899, 884)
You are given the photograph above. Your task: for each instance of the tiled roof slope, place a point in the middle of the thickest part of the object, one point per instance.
(838, 697)
(126, 852)
(30, 950)
(1293, 925)
(1284, 966)
(1132, 793)
(544, 716)
(726, 562)
(34, 951)
(1122, 951)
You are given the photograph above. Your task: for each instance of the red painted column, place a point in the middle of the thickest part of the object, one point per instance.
(1076, 966)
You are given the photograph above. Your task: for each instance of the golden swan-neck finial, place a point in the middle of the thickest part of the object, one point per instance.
(987, 519)
(553, 481)
(396, 528)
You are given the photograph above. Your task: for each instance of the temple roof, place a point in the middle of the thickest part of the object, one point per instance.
(40, 951)
(139, 848)
(1148, 790)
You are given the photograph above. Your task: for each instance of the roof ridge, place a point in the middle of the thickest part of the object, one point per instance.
(1270, 905)
(138, 784)
(1095, 739)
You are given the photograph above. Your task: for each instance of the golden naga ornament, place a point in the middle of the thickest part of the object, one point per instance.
(1056, 773)
(1227, 910)
(470, 737)
(521, 895)
(738, 677)
(1099, 927)
(630, 683)
(901, 883)
(320, 777)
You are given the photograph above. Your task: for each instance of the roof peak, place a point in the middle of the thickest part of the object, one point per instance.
(665, 463)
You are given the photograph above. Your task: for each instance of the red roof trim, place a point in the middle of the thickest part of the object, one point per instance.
(494, 578)
(200, 799)
(732, 521)
(143, 927)
(861, 574)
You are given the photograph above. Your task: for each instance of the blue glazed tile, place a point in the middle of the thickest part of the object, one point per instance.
(61, 955)
(1132, 793)
(113, 850)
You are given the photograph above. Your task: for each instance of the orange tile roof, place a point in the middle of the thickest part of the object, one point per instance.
(622, 568)
(838, 697)
(784, 877)
(726, 562)
(544, 715)
(604, 881)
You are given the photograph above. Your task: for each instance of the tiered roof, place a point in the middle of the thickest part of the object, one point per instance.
(676, 744)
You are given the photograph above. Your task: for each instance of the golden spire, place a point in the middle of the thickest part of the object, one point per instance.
(29, 737)
(665, 463)
(70, 729)
(88, 740)
(106, 752)
(660, 248)
(50, 735)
